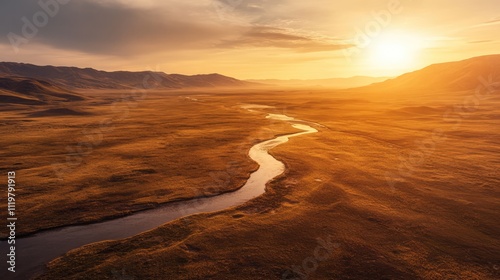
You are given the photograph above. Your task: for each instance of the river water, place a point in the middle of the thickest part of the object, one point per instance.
(34, 251)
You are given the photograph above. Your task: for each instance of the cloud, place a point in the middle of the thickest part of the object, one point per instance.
(124, 28)
(114, 28)
(490, 22)
(480, 41)
(494, 21)
(241, 10)
(261, 36)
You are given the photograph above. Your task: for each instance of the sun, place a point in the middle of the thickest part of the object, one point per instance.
(394, 51)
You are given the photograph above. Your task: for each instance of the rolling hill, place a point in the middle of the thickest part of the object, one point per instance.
(88, 78)
(29, 91)
(461, 75)
(336, 83)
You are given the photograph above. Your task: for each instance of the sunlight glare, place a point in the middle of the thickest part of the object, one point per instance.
(394, 52)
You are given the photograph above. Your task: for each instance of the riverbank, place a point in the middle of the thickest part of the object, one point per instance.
(335, 189)
(48, 245)
(77, 171)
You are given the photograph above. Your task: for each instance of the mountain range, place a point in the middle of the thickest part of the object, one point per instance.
(88, 78)
(37, 85)
(461, 75)
(336, 83)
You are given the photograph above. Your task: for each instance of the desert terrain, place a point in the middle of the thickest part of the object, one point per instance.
(101, 158)
(399, 182)
(250, 140)
(434, 220)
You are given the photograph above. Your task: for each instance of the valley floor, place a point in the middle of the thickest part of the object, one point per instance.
(390, 187)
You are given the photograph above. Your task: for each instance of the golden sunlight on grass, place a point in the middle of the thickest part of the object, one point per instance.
(250, 140)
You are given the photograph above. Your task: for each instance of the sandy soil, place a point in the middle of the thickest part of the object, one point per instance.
(388, 189)
(120, 156)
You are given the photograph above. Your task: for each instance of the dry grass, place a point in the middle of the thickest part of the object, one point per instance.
(440, 221)
(113, 161)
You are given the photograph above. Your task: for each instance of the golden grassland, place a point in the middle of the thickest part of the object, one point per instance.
(436, 217)
(124, 156)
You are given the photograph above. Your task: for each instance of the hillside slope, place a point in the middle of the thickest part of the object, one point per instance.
(453, 76)
(28, 91)
(88, 78)
(337, 83)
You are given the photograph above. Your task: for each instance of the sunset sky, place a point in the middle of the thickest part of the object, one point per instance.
(282, 39)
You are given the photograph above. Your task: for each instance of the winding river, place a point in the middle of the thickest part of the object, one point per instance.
(34, 251)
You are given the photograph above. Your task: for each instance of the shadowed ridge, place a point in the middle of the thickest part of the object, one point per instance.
(58, 112)
(27, 91)
(89, 78)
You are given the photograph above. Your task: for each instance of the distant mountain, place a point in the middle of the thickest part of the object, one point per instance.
(88, 78)
(453, 76)
(356, 81)
(28, 91)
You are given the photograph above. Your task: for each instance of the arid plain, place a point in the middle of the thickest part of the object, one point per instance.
(250, 139)
(399, 186)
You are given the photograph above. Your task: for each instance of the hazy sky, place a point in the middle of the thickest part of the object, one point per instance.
(249, 39)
